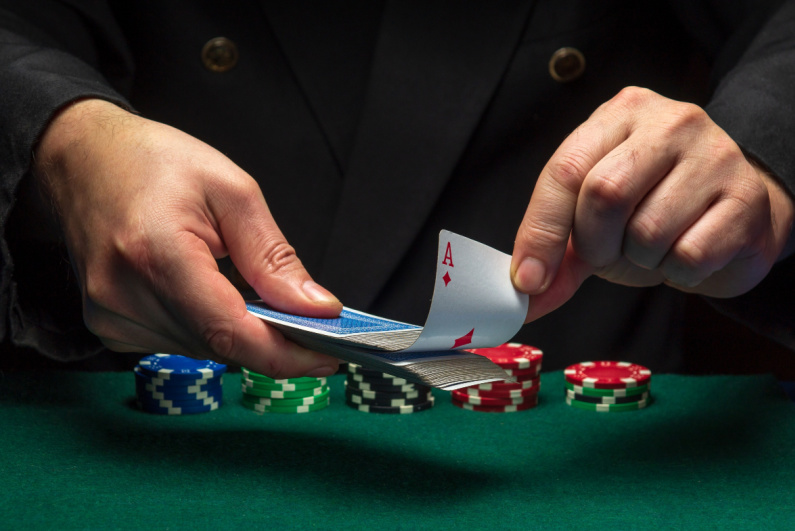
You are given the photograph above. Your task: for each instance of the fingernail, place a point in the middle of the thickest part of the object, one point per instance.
(530, 275)
(321, 372)
(317, 293)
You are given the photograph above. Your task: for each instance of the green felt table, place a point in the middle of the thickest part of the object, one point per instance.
(711, 452)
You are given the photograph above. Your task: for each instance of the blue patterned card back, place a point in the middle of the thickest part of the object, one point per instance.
(349, 322)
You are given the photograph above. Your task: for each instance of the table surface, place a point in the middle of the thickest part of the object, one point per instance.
(710, 452)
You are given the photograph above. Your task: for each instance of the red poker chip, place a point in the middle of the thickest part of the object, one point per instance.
(512, 355)
(607, 374)
(508, 386)
(497, 409)
(501, 393)
(524, 374)
(481, 400)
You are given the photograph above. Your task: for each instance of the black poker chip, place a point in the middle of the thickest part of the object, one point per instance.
(397, 410)
(373, 391)
(382, 388)
(380, 380)
(382, 394)
(353, 368)
(388, 400)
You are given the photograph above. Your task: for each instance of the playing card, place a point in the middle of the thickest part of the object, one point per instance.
(349, 322)
(351, 327)
(474, 305)
(474, 302)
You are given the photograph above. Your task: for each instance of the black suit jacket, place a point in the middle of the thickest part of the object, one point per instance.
(371, 126)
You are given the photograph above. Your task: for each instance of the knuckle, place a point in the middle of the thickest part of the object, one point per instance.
(235, 184)
(99, 290)
(632, 96)
(692, 255)
(544, 235)
(607, 193)
(646, 231)
(726, 150)
(725, 157)
(132, 250)
(683, 117)
(275, 367)
(569, 168)
(244, 188)
(220, 336)
(278, 256)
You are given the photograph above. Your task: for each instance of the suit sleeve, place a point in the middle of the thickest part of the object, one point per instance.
(51, 54)
(755, 104)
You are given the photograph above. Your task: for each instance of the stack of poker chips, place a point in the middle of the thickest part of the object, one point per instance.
(264, 394)
(167, 384)
(374, 391)
(523, 364)
(608, 386)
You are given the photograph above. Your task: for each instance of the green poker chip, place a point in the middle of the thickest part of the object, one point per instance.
(277, 393)
(302, 401)
(254, 384)
(257, 377)
(608, 408)
(589, 391)
(306, 408)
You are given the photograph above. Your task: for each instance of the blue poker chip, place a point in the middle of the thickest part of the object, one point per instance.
(177, 386)
(215, 393)
(176, 410)
(178, 368)
(193, 402)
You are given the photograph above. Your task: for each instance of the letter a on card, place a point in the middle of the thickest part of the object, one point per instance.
(448, 256)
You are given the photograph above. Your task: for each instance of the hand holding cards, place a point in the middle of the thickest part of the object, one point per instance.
(474, 305)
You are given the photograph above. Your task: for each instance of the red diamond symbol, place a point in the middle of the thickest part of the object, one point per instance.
(446, 279)
(464, 340)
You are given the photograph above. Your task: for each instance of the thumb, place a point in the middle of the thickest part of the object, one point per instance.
(266, 260)
(572, 273)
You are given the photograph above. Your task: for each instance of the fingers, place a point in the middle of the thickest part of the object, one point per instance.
(572, 273)
(262, 254)
(649, 191)
(544, 232)
(202, 301)
(660, 219)
(185, 306)
(624, 184)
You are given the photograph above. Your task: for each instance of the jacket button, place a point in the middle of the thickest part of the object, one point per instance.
(566, 64)
(219, 54)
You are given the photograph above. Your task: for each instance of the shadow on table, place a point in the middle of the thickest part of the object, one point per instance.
(737, 426)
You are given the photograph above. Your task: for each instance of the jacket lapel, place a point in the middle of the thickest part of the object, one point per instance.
(436, 66)
(328, 46)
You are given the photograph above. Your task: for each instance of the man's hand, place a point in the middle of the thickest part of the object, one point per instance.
(649, 191)
(146, 210)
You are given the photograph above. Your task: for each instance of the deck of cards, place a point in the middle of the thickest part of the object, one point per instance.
(474, 305)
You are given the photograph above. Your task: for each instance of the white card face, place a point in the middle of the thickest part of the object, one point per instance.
(474, 301)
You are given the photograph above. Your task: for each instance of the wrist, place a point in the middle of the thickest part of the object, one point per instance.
(71, 137)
